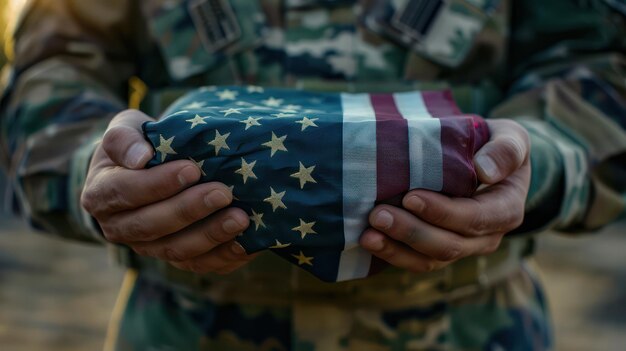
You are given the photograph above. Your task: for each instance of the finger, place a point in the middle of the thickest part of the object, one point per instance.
(123, 140)
(507, 150)
(168, 216)
(223, 259)
(117, 189)
(498, 208)
(397, 254)
(425, 238)
(197, 239)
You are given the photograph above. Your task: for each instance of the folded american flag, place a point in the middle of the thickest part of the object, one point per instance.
(308, 167)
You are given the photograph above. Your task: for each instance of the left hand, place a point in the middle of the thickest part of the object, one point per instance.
(434, 230)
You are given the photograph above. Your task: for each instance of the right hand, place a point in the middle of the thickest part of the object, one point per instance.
(160, 211)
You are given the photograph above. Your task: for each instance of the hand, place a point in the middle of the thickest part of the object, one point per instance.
(159, 211)
(434, 230)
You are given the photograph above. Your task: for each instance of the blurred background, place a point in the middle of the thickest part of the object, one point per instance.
(58, 295)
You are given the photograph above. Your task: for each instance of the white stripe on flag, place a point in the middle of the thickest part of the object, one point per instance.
(411, 105)
(425, 154)
(359, 181)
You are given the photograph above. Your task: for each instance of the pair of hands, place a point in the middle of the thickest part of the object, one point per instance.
(162, 212)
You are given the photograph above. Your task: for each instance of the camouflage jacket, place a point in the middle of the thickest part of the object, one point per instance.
(558, 67)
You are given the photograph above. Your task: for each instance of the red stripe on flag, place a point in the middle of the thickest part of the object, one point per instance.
(392, 155)
(440, 103)
(392, 148)
(457, 142)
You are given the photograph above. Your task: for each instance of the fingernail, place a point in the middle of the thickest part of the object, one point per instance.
(415, 203)
(383, 220)
(187, 175)
(231, 226)
(216, 199)
(237, 249)
(486, 164)
(138, 154)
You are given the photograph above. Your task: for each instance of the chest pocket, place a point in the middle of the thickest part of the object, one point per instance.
(443, 31)
(197, 36)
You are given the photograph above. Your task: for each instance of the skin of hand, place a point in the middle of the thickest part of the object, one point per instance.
(433, 230)
(161, 211)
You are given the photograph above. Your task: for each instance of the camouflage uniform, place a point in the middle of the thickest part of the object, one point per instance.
(555, 66)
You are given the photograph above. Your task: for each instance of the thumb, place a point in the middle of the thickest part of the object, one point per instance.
(506, 151)
(123, 140)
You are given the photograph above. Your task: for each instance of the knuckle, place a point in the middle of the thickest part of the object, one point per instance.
(101, 198)
(452, 251)
(412, 236)
(215, 237)
(425, 267)
(185, 213)
(438, 215)
(429, 266)
(437, 212)
(510, 219)
(511, 223)
(117, 199)
(87, 200)
(111, 233)
(513, 148)
(387, 252)
(480, 225)
(136, 229)
(493, 245)
(173, 255)
(97, 200)
(516, 222)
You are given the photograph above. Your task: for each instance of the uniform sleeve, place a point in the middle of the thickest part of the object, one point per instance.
(570, 95)
(72, 62)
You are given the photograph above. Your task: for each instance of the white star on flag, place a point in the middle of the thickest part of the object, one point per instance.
(230, 111)
(303, 259)
(306, 122)
(254, 89)
(219, 142)
(276, 144)
(304, 175)
(272, 102)
(305, 228)
(279, 245)
(165, 147)
(246, 170)
(200, 165)
(276, 199)
(251, 122)
(282, 115)
(257, 218)
(227, 94)
(195, 121)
